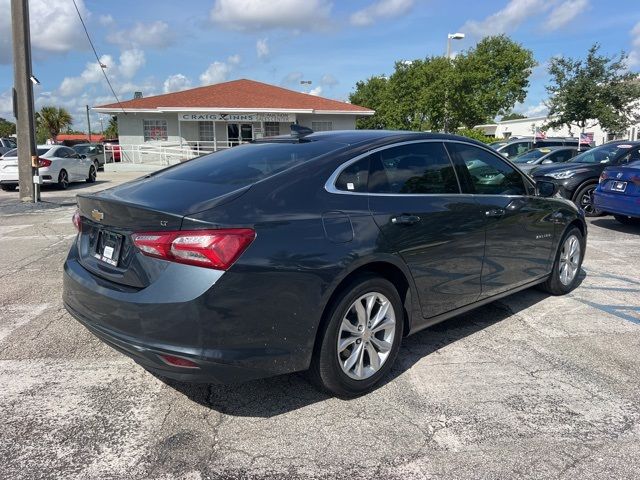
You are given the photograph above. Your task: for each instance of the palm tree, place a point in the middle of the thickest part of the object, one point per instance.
(53, 120)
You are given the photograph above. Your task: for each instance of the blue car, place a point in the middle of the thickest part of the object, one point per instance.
(618, 192)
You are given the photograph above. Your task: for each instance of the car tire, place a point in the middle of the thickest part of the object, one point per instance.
(92, 174)
(584, 200)
(566, 262)
(63, 180)
(374, 347)
(9, 188)
(627, 220)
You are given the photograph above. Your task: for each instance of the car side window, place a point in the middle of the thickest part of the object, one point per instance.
(489, 175)
(416, 168)
(560, 156)
(632, 156)
(61, 153)
(354, 178)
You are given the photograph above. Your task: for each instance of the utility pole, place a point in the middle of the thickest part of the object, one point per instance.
(23, 102)
(88, 123)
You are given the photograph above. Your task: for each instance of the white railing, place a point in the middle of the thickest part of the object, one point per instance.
(164, 153)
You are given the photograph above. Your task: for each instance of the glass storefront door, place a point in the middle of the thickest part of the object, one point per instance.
(237, 133)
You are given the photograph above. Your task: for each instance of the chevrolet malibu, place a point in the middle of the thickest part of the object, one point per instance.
(316, 251)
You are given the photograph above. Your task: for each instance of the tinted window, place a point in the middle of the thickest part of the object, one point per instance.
(354, 177)
(61, 153)
(413, 169)
(14, 152)
(248, 163)
(531, 156)
(553, 143)
(560, 156)
(489, 174)
(516, 148)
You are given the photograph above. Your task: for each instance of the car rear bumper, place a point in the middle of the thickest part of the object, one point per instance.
(190, 316)
(617, 204)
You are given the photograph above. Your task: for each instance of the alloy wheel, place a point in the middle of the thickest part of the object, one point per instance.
(569, 260)
(63, 180)
(366, 335)
(586, 201)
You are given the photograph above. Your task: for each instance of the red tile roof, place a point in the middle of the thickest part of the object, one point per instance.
(79, 136)
(239, 94)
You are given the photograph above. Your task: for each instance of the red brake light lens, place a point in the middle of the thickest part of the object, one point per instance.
(77, 221)
(217, 249)
(43, 162)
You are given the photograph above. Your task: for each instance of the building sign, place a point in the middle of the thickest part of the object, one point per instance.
(237, 117)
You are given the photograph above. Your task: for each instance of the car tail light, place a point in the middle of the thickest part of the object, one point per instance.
(77, 221)
(43, 162)
(603, 177)
(178, 361)
(217, 249)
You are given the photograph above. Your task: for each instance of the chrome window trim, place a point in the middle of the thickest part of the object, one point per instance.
(330, 184)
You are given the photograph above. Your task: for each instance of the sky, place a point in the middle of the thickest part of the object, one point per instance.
(162, 46)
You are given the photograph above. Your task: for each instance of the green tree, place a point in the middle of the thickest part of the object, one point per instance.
(438, 93)
(512, 116)
(597, 89)
(6, 127)
(51, 121)
(475, 134)
(111, 131)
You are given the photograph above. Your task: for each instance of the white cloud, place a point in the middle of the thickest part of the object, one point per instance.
(234, 59)
(155, 35)
(54, 25)
(316, 91)
(176, 83)
(292, 78)
(565, 12)
(634, 54)
(261, 15)
(262, 48)
(130, 62)
(382, 9)
(106, 20)
(507, 19)
(216, 72)
(328, 80)
(537, 110)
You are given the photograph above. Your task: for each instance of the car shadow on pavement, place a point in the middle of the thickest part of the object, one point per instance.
(611, 223)
(279, 395)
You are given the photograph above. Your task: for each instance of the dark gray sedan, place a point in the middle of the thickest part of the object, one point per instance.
(546, 156)
(315, 251)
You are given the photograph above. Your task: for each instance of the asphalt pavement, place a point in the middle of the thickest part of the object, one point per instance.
(530, 386)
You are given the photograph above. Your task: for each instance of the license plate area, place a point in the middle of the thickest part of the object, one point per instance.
(619, 186)
(108, 247)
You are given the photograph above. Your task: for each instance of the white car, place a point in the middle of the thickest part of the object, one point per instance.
(59, 165)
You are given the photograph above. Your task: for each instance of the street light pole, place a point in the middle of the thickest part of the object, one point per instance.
(88, 123)
(450, 36)
(23, 102)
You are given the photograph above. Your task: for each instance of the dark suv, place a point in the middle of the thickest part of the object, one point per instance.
(578, 178)
(313, 252)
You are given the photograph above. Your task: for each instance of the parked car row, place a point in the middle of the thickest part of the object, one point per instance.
(58, 165)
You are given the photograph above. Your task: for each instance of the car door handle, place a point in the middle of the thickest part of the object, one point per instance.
(405, 220)
(495, 212)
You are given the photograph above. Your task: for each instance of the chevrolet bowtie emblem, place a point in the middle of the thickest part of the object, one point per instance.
(97, 215)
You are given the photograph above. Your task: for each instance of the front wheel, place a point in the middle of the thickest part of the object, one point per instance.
(567, 264)
(9, 188)
(360, 339)
(584, 200)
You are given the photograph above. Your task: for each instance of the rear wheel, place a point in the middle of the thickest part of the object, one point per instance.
(584, 200)
(568, 262)
(9, 188)
(92, 174)
(360, 339)
(63, 180)
(627, 220)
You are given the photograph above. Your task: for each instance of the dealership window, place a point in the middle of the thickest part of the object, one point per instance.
(321, 126)
(206, 131)
(271, 129)
(155, 130)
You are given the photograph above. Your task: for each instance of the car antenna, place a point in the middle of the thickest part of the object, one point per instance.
(299, 131)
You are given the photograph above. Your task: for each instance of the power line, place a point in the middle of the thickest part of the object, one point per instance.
(102, 67)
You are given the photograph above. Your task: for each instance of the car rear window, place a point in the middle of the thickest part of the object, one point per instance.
(247, 164)
(14, 152)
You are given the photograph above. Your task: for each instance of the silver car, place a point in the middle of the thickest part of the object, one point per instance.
(7, 144)
(59, 165)
(92, 151)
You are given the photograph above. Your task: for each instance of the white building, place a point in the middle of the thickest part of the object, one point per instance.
(528, 126)
(167, 128)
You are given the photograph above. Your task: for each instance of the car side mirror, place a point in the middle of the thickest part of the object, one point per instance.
(547, 162)
(546, 189)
